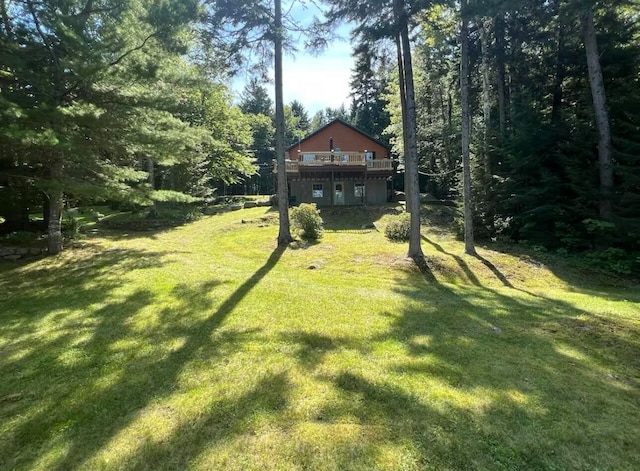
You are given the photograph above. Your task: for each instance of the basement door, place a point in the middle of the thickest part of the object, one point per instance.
(338, 193)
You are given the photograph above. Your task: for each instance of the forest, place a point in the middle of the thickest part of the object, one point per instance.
(524, 112)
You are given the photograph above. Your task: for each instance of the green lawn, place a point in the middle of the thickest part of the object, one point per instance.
(205, 347)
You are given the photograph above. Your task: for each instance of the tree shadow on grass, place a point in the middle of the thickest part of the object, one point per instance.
(490, 381)
(81, 397)
(554, 387)
(313, 347)
(461, 263)
(583, 278)
(87, 277)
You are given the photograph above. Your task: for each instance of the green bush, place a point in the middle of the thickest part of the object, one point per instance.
(21, 238)
(307, 221)
(399, 228)
(70, 226)
(614, 259)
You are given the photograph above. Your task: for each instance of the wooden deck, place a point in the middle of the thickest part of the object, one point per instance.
(337, 160)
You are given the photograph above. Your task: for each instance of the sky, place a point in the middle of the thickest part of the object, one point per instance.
(316, 81)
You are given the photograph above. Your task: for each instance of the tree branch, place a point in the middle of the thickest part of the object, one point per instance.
(131, 51)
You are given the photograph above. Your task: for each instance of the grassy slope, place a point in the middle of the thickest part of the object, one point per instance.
(205, 347)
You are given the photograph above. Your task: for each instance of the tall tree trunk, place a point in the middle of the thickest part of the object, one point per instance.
(515, 76)
(486, 140)
(558, 94)
(411, 153)
(54, 227)
(403, 108)
(151, 176)
(486, 89)
(602, 115)
(452, 159)
(500, 75)
(284, 234)
(469, 246)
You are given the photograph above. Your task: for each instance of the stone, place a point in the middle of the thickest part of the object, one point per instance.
(22, 251)
(263, 203)
(12, 257)
(235, 207)
(250, 204)
(6, 251)
(35, 251)
(496, 330)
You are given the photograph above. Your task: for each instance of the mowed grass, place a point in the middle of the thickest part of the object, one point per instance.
(205, 347)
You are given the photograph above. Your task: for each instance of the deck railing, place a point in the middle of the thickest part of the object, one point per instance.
(340, 159)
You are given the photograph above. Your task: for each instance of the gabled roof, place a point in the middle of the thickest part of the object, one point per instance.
(343, 122)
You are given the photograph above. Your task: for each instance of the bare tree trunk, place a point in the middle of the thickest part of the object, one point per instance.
(151, 177)
(54, 226)
(411, 153)
(556, 107)
(487, 182)
(500, 72)
(469, 246)
(284, 234)
(486, 89)
(602, 115)
(403, 107)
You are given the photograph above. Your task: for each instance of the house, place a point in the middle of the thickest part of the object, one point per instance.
(339, 165)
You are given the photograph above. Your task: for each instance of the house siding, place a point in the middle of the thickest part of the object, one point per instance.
(348, 140)
(375, 192)
(344, 138)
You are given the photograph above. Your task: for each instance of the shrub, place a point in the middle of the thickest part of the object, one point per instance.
(21, 237)
(70, 226)
(399, 228)
(307, 221)
(615, 260)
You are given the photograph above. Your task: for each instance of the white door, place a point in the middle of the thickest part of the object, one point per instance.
(338, 193)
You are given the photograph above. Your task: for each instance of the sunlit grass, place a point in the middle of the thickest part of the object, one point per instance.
(205, 347)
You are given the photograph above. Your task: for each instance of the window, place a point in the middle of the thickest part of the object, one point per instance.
(369, 156)
(358, 190)
(308, 157)
(316, 190)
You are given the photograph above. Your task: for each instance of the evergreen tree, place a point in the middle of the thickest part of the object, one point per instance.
(74, 77)
(368, 83)
(302, 117)
(255, 99)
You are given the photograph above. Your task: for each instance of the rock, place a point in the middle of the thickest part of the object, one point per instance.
(6, 251)
(263, 203)
(312, 267)
(368, 226)
(235, 207)
(35, 251)
(496, 330)
(250, 204)
(12, 257)
(22, 251)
